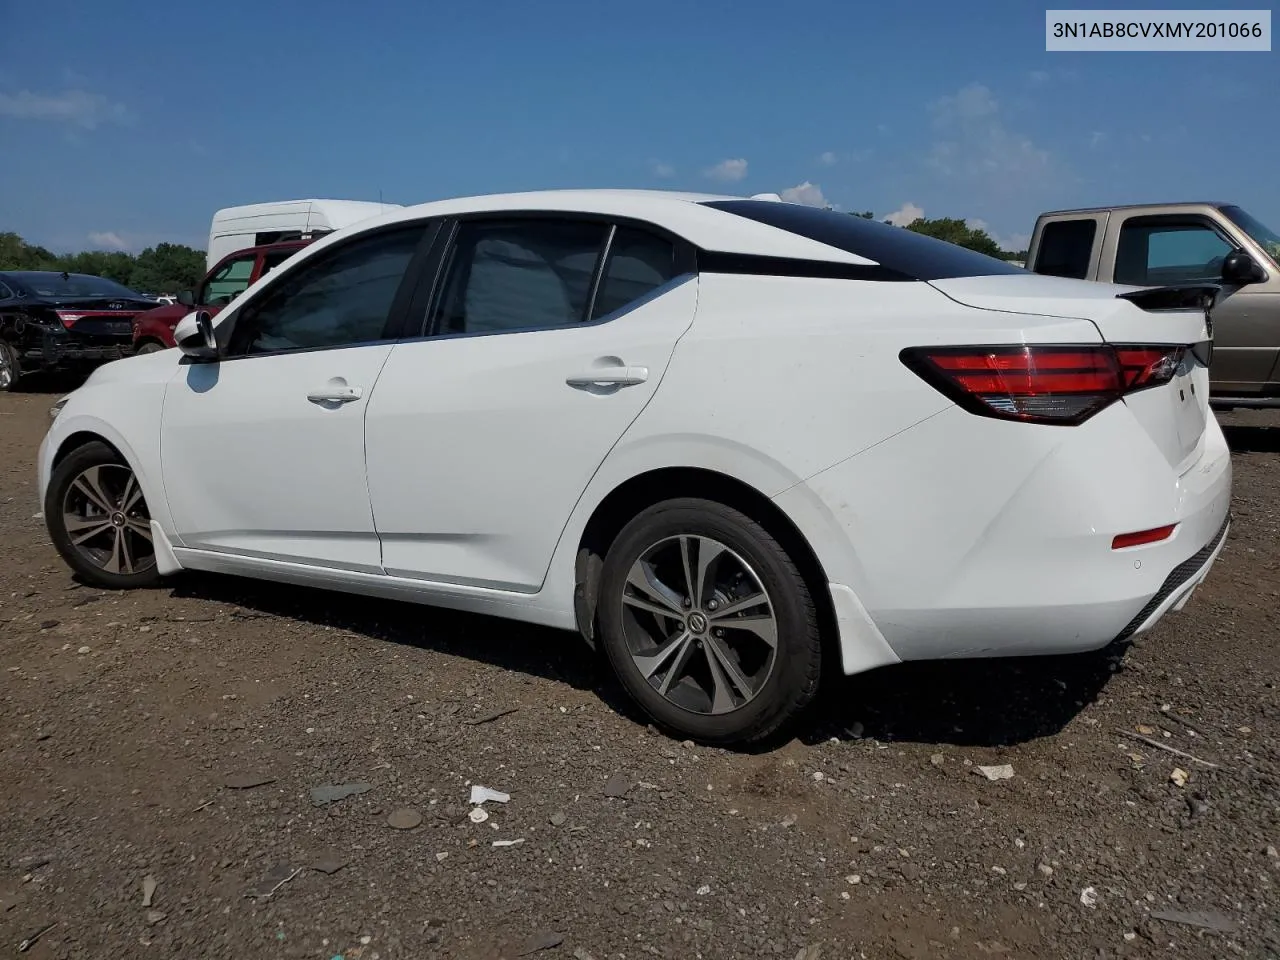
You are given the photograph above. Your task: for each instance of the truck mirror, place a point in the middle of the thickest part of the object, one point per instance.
(1238, 269)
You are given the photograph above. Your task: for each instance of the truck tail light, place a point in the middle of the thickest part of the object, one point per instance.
(1052, 384)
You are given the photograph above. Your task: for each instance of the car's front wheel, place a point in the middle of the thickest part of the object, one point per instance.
(98, 519)
(708, 622)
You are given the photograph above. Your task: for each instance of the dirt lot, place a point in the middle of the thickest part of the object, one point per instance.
(129, 721)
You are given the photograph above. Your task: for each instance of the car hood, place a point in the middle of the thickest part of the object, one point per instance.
(168, 313)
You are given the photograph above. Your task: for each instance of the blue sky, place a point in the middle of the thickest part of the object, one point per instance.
(124, 125)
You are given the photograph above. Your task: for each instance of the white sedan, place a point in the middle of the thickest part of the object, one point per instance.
(726, 439)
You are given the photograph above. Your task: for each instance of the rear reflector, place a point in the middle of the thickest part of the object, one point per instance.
(1063, 385)
(1120, 541)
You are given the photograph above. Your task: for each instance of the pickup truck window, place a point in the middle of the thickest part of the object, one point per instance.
(1065, 248)
(1263, 235)
(228, 283)
(1158, 250)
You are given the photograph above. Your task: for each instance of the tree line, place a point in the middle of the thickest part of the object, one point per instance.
(960, 233)
(164, 268)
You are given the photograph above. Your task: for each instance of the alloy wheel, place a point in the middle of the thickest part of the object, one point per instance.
(699, 625)
(107, 521)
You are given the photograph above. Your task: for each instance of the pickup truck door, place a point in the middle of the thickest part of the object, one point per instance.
(1153, 250)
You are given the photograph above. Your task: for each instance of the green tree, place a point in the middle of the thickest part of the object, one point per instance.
(168, 267)
(958, 232)
(17, 254)
(164, 268)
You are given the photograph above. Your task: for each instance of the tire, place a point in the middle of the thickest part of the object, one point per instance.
(150, 346)
(99, 521)
(703, 699)
(10, 368)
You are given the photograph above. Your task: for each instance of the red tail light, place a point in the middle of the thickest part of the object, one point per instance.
(1063, 385)
(68, 317)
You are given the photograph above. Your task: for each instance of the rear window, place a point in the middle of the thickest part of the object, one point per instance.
(895, 248)
(72, 285)
(1065, 248)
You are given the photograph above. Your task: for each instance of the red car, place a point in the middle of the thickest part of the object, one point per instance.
(153, 330)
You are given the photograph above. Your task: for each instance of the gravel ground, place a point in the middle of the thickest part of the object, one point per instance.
(134, 725)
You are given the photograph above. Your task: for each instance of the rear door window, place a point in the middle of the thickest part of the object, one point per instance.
(639, 262)
(507, 276)
(1066, 247)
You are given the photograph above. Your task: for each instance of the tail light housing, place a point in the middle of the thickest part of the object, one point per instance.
(1050, 384)
(68, 317)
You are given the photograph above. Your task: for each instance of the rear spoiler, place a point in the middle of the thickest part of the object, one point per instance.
(1180, 296)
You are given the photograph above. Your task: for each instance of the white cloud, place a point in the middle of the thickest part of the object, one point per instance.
(1017, 242)
(976, 146)
(663, 171)
(810, 194)
(1096, 139)
(75, 107)
(107, 240)
(1039, 76)
(907, 213)
(827, 158)
(728, 170)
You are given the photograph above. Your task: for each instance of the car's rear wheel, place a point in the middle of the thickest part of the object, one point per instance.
(10, 371)
(708, 622)
(98, 519)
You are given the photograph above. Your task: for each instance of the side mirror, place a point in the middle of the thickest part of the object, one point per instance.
(187, 298)
(1239, 269)
(194, 336)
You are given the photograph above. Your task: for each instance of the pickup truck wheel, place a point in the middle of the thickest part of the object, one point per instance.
(150, 346)
(10, 371)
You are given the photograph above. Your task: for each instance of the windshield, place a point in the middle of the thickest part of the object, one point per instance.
(1263, 235)
(72, 285)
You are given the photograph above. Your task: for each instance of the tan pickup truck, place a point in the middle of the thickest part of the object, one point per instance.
(1184, 243)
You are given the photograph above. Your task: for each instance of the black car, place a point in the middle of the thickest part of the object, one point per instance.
(57, 321)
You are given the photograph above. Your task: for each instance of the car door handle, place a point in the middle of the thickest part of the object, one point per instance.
(609, 377)
(336, 395)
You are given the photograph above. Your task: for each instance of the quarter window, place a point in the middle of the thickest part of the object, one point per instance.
(341, 299)
(231, 280)
(1162, 252)
(639, 263)
(519, 275)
